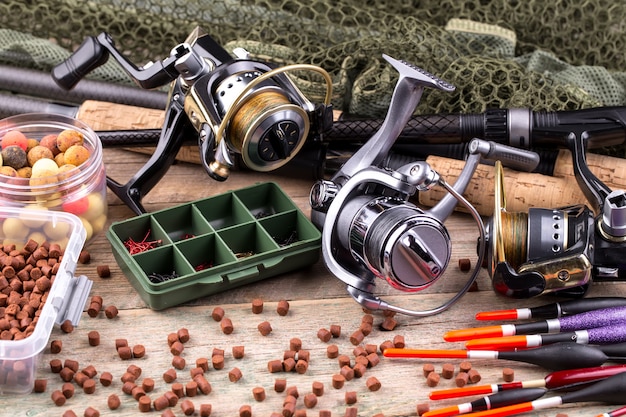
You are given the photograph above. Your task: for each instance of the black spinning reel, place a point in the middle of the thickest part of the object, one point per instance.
(234, 106)
(562, 250)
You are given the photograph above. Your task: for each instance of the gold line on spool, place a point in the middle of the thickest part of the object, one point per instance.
(247, 115)
(514, 235)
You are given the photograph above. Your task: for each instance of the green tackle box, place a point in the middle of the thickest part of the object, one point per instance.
(214, 244)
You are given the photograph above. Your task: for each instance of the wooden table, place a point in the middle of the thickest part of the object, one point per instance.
(317, 300)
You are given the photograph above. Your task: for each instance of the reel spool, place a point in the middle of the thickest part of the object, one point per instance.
(542, 251)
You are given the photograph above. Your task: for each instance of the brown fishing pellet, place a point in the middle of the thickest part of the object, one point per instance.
(128, 377)
(289, 364)
(465, 366)
(226, 325)
(335, 330)
(347, 372)
(205, 410)
(170, 375)
(128, 387)
(289, 354)
(343, 360)
(280, 384)
(103, 271)
(350, 397)
(111, 312)
(84, 257)
(303, 355)
(125, 352)
(325, 413)
(160, 403)
(183, 335)
(324, 335)
(56, 346)
(106, 378)
(66, 374)
(338, 380)
(217, 361)
(275, 365)
(120, 343)
(234, 375)
(310, 400)
(89, 386)
(58, 398)
(217, 314)
(292, 391)
(93, 338)
(257, 306)
(508, 374)
(473, 287)
(168, 413)
(295, 344)
(80, 378)
(357, 337)
(301, 366)
(71, 364)
(178, 362)
(67, 326)
(134, 369)
(179, 389)
(366, 328)
(385, 345)
(144, 404)
(474, 376)
(427, 368)
(177, 348)
(187, 407)
(191, 388)
(203, 385)
(422, 408)
(245, 411)
(447, 371)
(40, 385)
(147, 384)
(372, 383)
(359, 370)
(139, 351)
(238, 351)
(91, 412)
(461, 379)
(388, 324)
(332, 351)
(68, 390)
(203, 363)
(351, 412)
(258, 393)
(398, 341)
(113, 402)
(433, 379)
(282, 308)
(265, 328)
(465, 264)
(90, 371)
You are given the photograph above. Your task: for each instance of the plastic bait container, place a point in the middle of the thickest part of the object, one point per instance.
(80, 191)
(65, 299)
(214, 244)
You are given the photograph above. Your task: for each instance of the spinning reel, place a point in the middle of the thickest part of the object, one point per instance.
(559, 251)
(233, 106)
(369, 228)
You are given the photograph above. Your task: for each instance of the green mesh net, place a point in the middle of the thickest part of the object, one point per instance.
(553, 55)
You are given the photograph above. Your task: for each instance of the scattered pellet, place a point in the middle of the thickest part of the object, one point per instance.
(508, 374)
(257, 306)
(40, 385)
(338, 380)
(80, 378)
(177, 348)
(282, 308)
(371, 348)
(113, 402)
(301, 366)
(280, 384)
(128, 387)
(67, 326)
(461, 379)
(325, 413)
(473, 287)
(447, 371)
(295, 344)
(93, 338)
(66, 374)
(187, 407)
(193, 372)
(139, 351)
(332, 351)
(205, 410)
(58, 398)
(351, 412)
(359, 369)
(191, 388)
(203, 385)
(359, 351)
(183, 335)
(103, 271)
(203, 363)
(389, 323)
(422, 408)
(178, 362)
(366, 328)
(343, 360)
(160, 403)
(170, 375)
(335, 330)
(128, 377)
(275, 365)
(120, 343)
(56, 346)
(433, 379)
(258, 393)
(385, 345)
(125, 352)
(178, 389)
(265, 328)
(135, 370)
(289, 364)
(226, 325)
(91, 412)
(68, 390)
(324, 335)
(90, 371)
(465, 264)
(111, 312)
(373, 359)
(69, 413)
(357, 337)
(465, 366)
(310, 400)
(350, 397)
(398, 341)
(84, 257)
(303, 355)
(217, 314)
(106, 378)
(234, 375)
(217, 361)
(89, 386)
(168, 413)
(245, 411)
(144, 404)
(474, 376)
(372, 383)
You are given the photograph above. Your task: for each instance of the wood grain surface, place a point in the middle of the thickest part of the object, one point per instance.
(317, 300)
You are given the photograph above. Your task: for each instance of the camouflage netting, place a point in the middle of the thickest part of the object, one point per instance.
(552, 55)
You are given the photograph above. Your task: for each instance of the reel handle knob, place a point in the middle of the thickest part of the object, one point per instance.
(89, 56)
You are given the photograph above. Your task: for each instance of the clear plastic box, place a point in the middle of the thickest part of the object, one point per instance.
(65, 297)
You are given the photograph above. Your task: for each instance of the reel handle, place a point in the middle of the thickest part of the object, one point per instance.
(89, 56)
